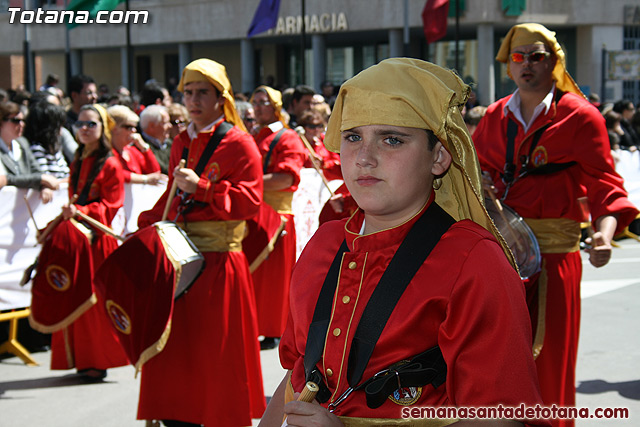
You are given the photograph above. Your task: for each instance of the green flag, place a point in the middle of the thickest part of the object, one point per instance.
(91, 6)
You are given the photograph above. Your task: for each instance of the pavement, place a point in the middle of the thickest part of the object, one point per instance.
(608, 373)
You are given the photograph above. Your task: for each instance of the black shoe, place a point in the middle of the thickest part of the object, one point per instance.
(94, 375)
(174, 423)
(269, 343)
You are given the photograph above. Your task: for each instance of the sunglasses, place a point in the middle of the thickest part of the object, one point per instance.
(533, 57)
(14, 120)
(89, 124)
(318, 126)
(178, 122)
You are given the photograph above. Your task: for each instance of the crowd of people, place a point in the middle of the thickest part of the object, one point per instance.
(403, 136)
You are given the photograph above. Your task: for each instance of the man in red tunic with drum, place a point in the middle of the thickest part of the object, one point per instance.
(209, 371)
(546, 151)
(283, 155)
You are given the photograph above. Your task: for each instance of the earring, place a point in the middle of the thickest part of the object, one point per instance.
(437, 183)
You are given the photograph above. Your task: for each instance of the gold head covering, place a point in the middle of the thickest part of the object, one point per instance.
(206, 70)
(275, 97)
(107, 122)
(417, 94)
(526, 34)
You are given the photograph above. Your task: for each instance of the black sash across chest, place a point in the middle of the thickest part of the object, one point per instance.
(412, 253)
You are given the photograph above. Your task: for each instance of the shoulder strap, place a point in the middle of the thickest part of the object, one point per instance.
(208, 151)
(409, 257)
(271, 147)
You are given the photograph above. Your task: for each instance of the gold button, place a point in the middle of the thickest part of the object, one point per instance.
(346, 299)
(329, 372)
(352, 265)
(336, 332)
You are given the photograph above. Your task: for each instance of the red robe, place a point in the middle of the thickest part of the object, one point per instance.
(134, 160)
(90, 338)
(209, 371)
(576, 133)
(271, 280)
(465, 298)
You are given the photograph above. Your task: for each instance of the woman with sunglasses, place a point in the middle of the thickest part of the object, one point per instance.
(88, 344)
(138, 162)
(18, 166)
(314, 125)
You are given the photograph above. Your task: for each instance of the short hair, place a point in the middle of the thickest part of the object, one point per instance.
(178, 110)
(300, 91)
(309, 116)
(474, 115)
(121, 114)
(152, 114)
(77, 82)
(151, 92)
(611, 118)
(623, 104)
(8, 109)
(52, 80)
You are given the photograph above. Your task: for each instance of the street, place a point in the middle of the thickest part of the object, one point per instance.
(607, 377)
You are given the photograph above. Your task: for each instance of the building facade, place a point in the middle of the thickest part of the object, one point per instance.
(335, 40)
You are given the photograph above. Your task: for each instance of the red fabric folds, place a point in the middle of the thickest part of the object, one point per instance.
(434, 19)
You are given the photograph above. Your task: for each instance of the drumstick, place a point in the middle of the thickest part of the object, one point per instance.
(312, 153)
(307, 394)
(41, 238)
(100, 226)
(172, 192)
(30, 213)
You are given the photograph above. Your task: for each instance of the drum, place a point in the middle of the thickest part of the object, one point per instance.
(182, 250)
(263, 232)
(519, 237)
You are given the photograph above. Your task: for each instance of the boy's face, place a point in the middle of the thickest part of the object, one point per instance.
(202, 102)
(389, 170)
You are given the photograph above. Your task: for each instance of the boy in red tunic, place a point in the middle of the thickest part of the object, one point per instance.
(405, 155)
(209, 372)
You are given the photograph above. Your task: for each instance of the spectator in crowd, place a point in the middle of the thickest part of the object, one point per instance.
(18, 167)
(629, 140)
(328, 90)
(103, 93)
(155, 127)
(179, 118)
(4, 96)
(283, 156)
(473, 116)
(51, 85)
(319, 104)
(67, 143)
(82, 91)
(300, 102)
(313, 124)
(245, 109)
(614, 129)
(88, 344)
(154, 93)
(139, 165)
(42, 129)
(594, 99)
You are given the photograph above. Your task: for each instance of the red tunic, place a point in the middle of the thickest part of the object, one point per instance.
(465, 298)
(209, 372)
(576, 133)
(134, 160)
(271, 280)
(90, 338)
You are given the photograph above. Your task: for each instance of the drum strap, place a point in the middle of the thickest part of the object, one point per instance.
(217, 136)
(508, 174)
(410, 256)
(267, 158)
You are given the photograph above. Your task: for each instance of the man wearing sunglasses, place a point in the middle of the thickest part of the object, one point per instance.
(544, 151)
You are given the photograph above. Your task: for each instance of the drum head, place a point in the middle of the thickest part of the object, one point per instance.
(519, 237)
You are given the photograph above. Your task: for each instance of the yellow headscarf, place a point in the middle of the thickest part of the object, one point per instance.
(417, 94)
(210, 71)
(526, 34)
(275, 97)
(107, 122)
